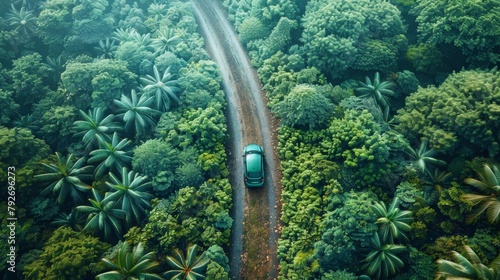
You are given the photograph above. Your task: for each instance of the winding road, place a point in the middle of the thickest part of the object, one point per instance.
(255, 231)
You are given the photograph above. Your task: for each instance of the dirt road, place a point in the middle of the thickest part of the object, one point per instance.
(256, 211)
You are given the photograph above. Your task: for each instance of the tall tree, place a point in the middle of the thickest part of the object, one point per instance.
(489, 200)
(190, 266)
(111, 155)
(130, 194)
(131, 264)
(162, 88)
(66, 178)
(103, 219)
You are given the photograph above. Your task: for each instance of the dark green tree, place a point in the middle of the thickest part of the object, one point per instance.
(489, 200)
(66, 178)
(103, 219)
(383, 259)
(136, 112)
(463, 24)
(130, 194)
(112, 155)
(379, 91)
(95, 125)
(131, 264)
(469, 267)
(392, 222)
(459, 117)
(189, 266)
(163, 89)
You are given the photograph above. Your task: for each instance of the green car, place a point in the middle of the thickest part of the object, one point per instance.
(253, 161)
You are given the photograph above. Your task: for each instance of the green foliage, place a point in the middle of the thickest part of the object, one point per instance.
(425, 58)
(421, 266)
(103, 220)
(136, 55)
(103, 80)
(216, 254)
(339, 275)
(56, 125)
(130, 263)
(452, 204)
(488, 201)
(189, 266)
(54, 22)
(423, 157)
(112, 155)
(379, 91)
(130, 194)
(190, 216)
(383, 259)
(304, 107)
(162, 88)
(66, 255)
(251, 29)
(464, 24)
(392, 222)
(94, 126)
(66, 178)
(335, 32)
(158, 160)
(459, 117)
(407, 82)
(136, 112)
(443, 245)
(27, 75)
(367, 153)
(376, 55)
(469, 267)
(407, 193)
(348, 228)
(23, 151)
(8, 105)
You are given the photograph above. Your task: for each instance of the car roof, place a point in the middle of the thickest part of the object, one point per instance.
(254, 162)
(253, 148)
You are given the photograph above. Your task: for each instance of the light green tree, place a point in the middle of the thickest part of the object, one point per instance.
(392, 222)
(112, 155)
(489, 200)
(304, 107)
(163, 88)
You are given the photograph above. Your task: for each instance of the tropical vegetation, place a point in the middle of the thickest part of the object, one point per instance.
(113, 117)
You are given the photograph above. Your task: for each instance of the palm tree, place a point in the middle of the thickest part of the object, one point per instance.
(467, 268)
(23, 20)
(75, 220)
(111, 155)
(165, 41)
(435, 182)
(106, 48)
(66, 178)
(123, 35)
(379, 91)
(136, 112)
(131, 264)
(190, 267)
(94, 124)
(423, 157)
(383, 261)
(130, 194)
(103, 219)
(162, 88)
(157, 11)
(27, 121)
(55, 66)
(392, 222)
(489, 201)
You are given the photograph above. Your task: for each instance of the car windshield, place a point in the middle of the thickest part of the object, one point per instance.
(254, 174)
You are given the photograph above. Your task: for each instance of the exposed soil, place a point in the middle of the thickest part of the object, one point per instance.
(255, 232)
